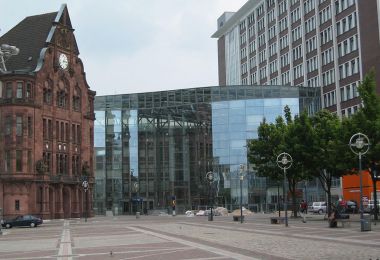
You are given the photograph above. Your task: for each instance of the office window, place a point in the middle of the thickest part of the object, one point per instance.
(312, 64)
(283, 24)
(251, 31)
(311, 44)
(284, 42)
(295, 15)
(243, 38)
(252, 47)
(253, 77)
(260, 10)
(242, 26)
(260, 24)
(313, 82)
(252, 62)
(341, 5)
(262, 56)
(284, 59)
(347, 46)
(297, 52)
(263, 72)
(17, 205)
(272, 32)
(285, 79)
(310, 24)
(273, 81)
(243, 53)
(282, 6)
(298, 71)
(308, 6)
(296, 33)
(346, 24)
(272, 49)
(326, 35)
(244, 68)
(327, 56)
(271, 16)
(261, 40)
(325, 15)
(328, 77)
(273, 67)
(251, 18)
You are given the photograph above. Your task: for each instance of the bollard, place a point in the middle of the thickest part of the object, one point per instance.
(137, 214)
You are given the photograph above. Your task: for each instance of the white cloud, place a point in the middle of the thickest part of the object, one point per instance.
(130, 46)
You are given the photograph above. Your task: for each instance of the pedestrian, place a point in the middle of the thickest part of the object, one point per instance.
(303, 210)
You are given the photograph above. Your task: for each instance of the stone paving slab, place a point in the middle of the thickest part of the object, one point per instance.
(155, 237)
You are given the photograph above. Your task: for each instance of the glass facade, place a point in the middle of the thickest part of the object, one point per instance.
(152, 147)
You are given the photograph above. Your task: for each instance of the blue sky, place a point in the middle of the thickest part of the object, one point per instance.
(131, 46)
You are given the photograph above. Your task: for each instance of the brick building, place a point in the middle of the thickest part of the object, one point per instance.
(47, 118)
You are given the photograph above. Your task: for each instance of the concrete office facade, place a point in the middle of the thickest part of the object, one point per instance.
(331, 44)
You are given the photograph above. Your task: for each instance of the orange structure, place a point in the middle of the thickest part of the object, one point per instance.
(351, 186)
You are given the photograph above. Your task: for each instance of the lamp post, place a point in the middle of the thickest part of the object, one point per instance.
(284, 161)
(210, 179)
(359, 144)
(85, 188)
(241, 191)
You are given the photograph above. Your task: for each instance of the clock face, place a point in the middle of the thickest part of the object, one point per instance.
(63, 61)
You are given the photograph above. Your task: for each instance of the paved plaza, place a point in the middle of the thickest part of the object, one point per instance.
(181, 237)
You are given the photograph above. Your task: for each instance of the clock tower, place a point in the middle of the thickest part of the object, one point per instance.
(48, 112)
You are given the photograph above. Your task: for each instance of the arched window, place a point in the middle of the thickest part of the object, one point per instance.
(62, 95)
(48, 92)
(76, 99)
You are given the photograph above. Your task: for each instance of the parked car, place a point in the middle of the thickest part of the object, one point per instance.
(24, 220)
(371, 206)
(318, 207)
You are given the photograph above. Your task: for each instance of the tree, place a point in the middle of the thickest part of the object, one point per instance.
(329, 145)
(293, 137)
(367, 121)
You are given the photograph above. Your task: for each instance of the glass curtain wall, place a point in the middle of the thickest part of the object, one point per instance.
(152, 148)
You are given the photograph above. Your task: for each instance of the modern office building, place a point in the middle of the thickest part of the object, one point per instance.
(46, 120)
(331, 44)
(151, 148)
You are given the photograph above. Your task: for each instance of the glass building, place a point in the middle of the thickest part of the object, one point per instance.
(152, 148)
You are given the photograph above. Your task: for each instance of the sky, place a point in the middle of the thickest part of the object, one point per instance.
(133, 46)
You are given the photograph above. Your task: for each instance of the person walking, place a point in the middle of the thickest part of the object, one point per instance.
(303, 210)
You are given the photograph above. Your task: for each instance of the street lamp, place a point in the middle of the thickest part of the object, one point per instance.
(210, 179)
(284, 161)
(359, 144)
(241, 191)
(85, 188)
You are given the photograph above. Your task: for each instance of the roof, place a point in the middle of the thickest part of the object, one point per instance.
(235, 19)
(31, 36)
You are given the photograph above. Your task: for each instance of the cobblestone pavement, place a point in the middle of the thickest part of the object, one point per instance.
(167, 237)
